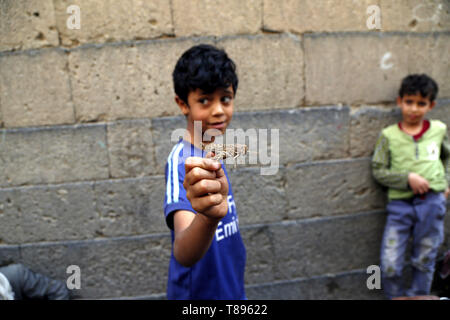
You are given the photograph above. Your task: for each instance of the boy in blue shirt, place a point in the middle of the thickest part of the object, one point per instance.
(208, 254)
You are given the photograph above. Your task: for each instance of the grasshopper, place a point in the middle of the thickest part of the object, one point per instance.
(223, 151)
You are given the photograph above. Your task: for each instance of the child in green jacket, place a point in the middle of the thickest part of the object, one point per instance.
(411, 158)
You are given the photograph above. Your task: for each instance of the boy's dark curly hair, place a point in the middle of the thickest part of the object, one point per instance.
(419, 83)
(203, 67)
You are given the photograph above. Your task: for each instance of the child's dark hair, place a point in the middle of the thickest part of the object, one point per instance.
(419, 83)
(203, 67)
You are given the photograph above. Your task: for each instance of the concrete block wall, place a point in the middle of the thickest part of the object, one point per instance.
(86, 118)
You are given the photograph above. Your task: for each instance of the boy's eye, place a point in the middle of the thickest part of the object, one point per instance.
(408, 102)
(226, 99)
(203, 101)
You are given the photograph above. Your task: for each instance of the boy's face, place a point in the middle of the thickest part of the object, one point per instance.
(214, 110)
(414, 108)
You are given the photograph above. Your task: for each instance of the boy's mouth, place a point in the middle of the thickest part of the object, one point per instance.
(217, 125)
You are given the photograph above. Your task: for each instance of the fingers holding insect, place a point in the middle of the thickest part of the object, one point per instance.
(204, 187)
(212, 205)
(192, 163)
(198, 174)
(210, 155)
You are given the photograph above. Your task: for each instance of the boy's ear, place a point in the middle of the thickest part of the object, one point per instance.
(432, 104)
(399, 101)
(182, 105)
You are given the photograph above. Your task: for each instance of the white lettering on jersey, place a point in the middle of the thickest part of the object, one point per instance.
(226, 230)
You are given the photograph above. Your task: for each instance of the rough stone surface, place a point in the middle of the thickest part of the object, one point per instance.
(312, 247)
(302, 16)
(327, 245)
(1, 115)
(430, 55)
(9, 254)
(332, 188)
(344, 286)
(305, 134)
(35, 89)
(357, 68)
(130, 147)
(113, 20)
(214, 17)
(366, 125)
(261, 259)
(264, 82)
(354, 67)
(130, 206)
(27, 24)
(85, 210)
(117, 267)
(441, 112)
(415, 15)
(53, 154)
(47, 213)
(125, 81)
(167, 132)
(259, 198)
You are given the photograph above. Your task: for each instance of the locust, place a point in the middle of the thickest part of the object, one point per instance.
(223, 151)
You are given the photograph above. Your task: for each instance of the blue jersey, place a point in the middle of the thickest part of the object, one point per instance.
(220, 273)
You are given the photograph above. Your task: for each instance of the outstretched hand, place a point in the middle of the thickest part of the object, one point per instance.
(206, 187)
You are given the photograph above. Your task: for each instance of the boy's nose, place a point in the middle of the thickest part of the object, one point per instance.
(218, 108)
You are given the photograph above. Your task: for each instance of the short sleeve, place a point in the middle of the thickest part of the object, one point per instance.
(175, 197)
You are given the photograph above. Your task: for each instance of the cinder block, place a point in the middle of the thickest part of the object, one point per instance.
(119, 81)
(351, 285)
(27, 24)
(213, 17)
(331, 245)
(130, 147)
(302, 16)
(366, 125)
(354, 68)
(264, 82)
(415, 15)
(332, 188)
(130, 206)
(259, 198)
(35, 89)
(53, 154)
(47, 213)
(117, 267)
(112, 20)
